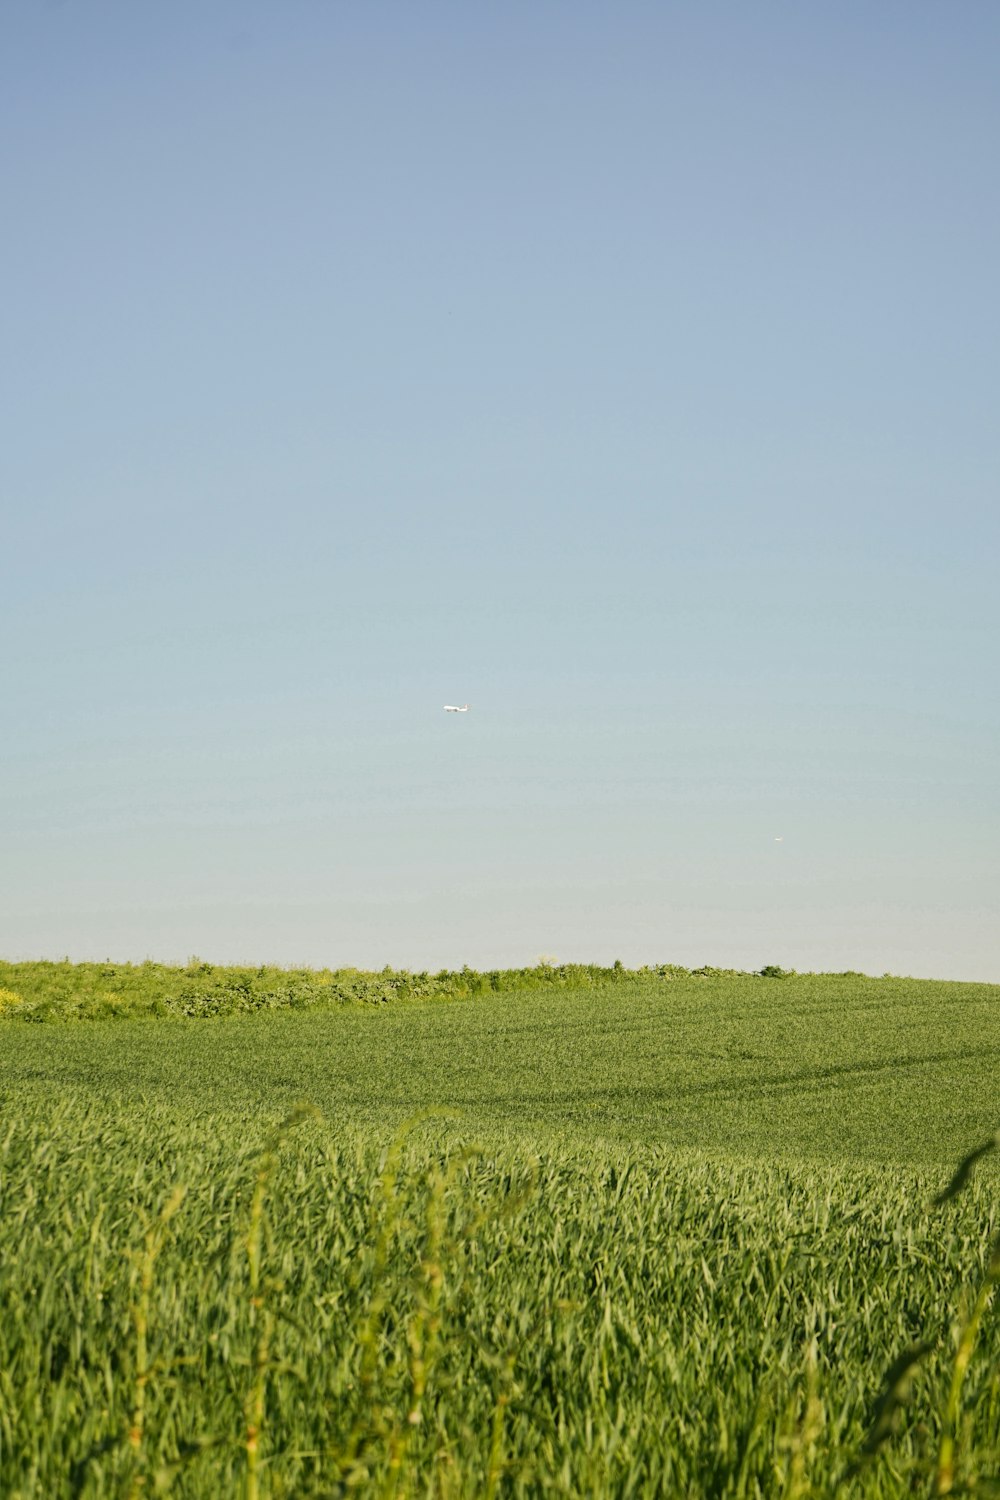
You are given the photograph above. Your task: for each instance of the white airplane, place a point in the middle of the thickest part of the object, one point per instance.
(453, 708)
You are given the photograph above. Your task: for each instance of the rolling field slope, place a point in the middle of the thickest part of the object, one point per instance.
(648, 1236)
(838, 1069)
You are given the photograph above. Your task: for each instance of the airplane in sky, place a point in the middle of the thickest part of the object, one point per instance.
(453, 708)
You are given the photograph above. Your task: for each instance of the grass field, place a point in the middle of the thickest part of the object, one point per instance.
(582, 1234)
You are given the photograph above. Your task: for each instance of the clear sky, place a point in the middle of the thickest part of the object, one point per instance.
(629, 371)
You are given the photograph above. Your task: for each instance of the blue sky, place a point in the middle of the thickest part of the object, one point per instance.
(629, 372)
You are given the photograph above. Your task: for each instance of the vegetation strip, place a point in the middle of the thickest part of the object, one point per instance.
(38, 990)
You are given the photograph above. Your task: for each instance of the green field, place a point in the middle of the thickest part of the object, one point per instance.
(568, 1232)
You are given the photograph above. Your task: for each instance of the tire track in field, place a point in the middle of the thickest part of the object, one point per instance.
(741, 1085)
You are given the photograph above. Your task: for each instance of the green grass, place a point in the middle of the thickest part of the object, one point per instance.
(664, 1235)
